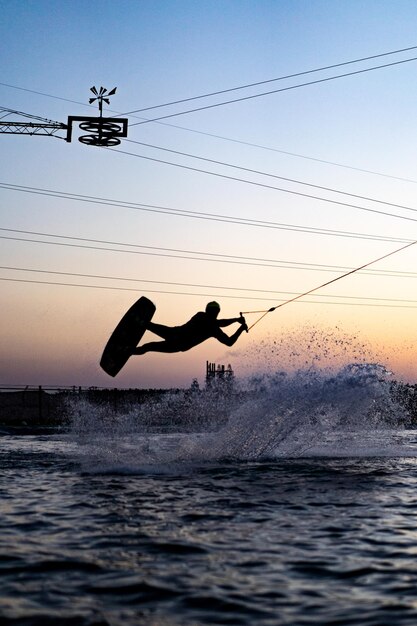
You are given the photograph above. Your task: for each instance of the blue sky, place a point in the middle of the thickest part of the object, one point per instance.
(157, 52)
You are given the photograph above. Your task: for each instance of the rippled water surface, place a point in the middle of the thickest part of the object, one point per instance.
(109, 525)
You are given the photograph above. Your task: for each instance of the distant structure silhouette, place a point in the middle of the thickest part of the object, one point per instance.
(219, 373)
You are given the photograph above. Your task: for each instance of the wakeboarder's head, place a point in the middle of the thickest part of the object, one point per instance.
(213, 309)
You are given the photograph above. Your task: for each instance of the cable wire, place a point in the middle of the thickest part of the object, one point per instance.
(204, 295)
(241, 142)
(248, 85)
(288, 153)
(46, 95)
(189, 254)
(263, 185)
(271, 80)
(197, 215)
(179, 284)
(267, 93)
(270, 175)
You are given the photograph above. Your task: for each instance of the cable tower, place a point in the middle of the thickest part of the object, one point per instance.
(103, 131)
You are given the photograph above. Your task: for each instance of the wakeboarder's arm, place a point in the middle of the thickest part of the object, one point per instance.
(233, 320)
(229, 341)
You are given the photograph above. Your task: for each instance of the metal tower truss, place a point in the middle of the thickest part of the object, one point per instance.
(37, 125)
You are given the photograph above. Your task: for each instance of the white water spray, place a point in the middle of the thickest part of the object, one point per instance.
(349, 412)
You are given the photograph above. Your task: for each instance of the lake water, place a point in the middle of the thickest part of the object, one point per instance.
(301, 509)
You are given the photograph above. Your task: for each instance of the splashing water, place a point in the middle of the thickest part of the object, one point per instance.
(309, 347)
(307, 412)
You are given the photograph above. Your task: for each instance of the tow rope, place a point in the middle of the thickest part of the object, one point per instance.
(329, 282)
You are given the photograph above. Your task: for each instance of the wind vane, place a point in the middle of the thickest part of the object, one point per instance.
(100, 96)
(103, 131)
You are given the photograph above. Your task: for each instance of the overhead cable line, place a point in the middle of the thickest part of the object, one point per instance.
(159, 253)
(264, 185)
(189, 254)
(267, 93)
(204, 295)
(46, 95)
(288, 153)
(270, 175)
(246, 86)
(196, 215)
(271, 80)
(179, 284)
(238, 141)
(242, 142)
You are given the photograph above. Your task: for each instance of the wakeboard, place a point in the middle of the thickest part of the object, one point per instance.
(126, 336)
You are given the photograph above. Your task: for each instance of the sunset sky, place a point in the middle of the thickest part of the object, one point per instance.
(182, 236)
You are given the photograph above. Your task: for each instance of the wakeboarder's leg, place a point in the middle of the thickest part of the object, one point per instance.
(165, 332)
(156, 346)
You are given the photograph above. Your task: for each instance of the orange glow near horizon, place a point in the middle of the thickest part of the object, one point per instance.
(60, 341)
